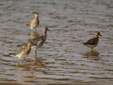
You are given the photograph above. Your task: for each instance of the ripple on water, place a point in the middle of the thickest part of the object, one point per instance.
(63, 59)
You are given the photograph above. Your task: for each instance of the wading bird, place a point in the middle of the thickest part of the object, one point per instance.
(35, 22)
(93, 42)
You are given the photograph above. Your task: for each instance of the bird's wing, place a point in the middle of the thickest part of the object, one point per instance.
(35, 41)
(92, 41)
(14, 54)
(29, 23)
(39, 43)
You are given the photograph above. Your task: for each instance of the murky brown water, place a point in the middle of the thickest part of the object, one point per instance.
(64, 59)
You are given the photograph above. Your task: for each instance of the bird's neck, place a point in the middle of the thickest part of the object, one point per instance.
(28, 49)
(45, 33)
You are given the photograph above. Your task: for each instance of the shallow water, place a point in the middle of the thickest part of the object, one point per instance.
(64, 60)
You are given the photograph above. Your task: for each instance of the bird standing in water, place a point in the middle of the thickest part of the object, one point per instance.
(35, 22)
(23, 52)
(37, 41)
(93, 42)
(40, 40)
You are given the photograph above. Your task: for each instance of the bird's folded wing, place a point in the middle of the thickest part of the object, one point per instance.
(91, 41)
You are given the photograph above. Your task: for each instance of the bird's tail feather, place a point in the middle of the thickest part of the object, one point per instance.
(11, 54)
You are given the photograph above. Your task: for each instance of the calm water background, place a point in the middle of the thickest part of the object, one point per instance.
(65, 59)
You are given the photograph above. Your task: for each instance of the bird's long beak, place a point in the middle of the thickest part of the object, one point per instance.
(48, 30)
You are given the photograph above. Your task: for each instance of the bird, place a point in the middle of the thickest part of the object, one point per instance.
(38, 41)
(35, 22)
(93, 42)
(23, 52)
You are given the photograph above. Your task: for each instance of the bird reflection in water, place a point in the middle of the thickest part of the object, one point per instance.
(29, 72)
(92, 54)
(37, 63)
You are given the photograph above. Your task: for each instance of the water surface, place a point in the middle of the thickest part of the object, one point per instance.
(64, 59)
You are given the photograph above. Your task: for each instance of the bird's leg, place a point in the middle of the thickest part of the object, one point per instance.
(25, 60)
(18, 62)
(35, 30)
(91, 49)
(36, 52)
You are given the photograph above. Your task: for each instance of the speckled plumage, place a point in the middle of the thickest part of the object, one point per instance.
(35, 22)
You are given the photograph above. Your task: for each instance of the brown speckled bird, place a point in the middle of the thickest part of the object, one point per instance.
(35, 22)
(23, 52)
